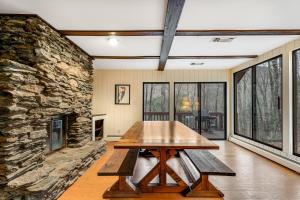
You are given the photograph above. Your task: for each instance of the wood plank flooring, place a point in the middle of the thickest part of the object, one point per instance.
(256, 178)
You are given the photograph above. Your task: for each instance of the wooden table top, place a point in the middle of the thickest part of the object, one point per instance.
(169, 134)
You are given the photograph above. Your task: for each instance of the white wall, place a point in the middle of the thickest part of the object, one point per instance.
(121, 117)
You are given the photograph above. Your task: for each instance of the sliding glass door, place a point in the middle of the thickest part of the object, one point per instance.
(213, 110)
(202, 107)
(296, 101)
(156, 101)
(187, 104)
(257, 103)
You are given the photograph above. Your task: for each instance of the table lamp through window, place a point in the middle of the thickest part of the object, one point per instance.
(186, 104)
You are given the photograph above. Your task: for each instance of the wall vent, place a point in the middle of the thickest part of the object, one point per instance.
(222, 39)
(197, 63)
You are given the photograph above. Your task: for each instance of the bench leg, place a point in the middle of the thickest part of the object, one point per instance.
(122, 188)
(203, 188)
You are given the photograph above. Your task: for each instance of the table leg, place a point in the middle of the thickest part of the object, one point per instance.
(162, 169)
(150, 176)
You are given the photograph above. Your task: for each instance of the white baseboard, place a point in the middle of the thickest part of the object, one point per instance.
(111, 138)
(278, 159)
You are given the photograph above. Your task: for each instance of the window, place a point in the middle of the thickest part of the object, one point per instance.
(201, 106)
(296, 101)
(243, 99)
(156, 101)
(258, 109)
(268, 117)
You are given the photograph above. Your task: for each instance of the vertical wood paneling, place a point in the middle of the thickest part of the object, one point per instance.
(121, 117)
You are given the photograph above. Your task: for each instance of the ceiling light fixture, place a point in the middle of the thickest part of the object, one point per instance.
(113, 41)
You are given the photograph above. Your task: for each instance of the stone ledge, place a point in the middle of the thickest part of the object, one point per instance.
(59, 171)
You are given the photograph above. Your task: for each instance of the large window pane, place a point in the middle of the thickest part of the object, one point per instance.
(258, 96)
(213, 110)
(187, 104)
(268, 117)
(296, 85)
(156, 101)
(243, 103)
(201, 106)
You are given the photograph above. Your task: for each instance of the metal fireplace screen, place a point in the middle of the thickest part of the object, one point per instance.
(57, 139)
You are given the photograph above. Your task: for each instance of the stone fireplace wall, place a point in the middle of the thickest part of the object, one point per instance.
(42, 74)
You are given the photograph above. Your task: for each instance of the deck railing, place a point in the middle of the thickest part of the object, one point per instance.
(188, 118)
(213, 119)
(156, 116)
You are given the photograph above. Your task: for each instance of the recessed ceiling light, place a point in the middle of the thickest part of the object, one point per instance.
(113, 41)
(197, 63)
(222, 39)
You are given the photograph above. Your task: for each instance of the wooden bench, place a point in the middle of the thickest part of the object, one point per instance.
(121, 163)
(199, 164)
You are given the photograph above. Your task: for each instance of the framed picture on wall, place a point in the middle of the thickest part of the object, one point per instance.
(122, 94)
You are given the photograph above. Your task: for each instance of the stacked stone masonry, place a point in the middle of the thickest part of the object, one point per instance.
(42, 74)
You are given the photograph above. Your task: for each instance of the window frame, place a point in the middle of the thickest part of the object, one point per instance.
(235, 100)
(253, 68)
(199, 93)
(144, 83)
(294, 96)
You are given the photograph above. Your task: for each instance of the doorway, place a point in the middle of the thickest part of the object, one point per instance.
(202, 107)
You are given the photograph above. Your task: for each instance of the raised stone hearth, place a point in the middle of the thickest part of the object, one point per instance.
(59, 171)
(42, 74)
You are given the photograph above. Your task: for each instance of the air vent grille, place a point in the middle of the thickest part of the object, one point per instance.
(197, 63)
(222, 39)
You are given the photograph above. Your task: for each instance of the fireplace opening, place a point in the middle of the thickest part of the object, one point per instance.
(58, 131)
(99, 129)
(57, 134)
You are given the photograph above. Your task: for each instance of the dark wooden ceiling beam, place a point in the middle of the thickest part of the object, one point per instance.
(173, 14)
(180, 32)
(214, 57)
(178, 57)
(237, 32)
(112, 33)
(126, 57)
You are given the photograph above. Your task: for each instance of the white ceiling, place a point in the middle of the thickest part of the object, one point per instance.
(241, 45)
(127, 46)
(93, 14)
(208, 63)
(149, 14)
(240, 14)
(142, 64)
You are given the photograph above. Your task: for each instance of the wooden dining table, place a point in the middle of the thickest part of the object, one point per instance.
(163, 139)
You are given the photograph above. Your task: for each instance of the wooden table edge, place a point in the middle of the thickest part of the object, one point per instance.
(116, 146)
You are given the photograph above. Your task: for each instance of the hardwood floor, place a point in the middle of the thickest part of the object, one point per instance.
(256, 178)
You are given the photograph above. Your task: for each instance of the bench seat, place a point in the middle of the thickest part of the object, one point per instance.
(199, 164)
(208, 164)
(121, 163)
